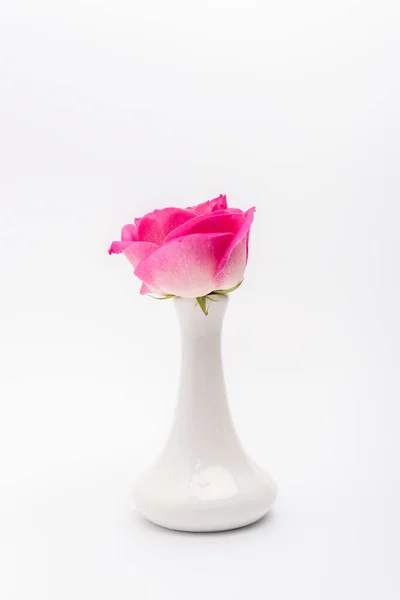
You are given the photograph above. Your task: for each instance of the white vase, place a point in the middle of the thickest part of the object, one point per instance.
(203, 481)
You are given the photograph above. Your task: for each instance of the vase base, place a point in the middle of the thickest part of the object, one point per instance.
(217, 503)
(214, 529)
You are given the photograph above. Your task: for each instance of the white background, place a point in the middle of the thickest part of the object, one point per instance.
(110, 109)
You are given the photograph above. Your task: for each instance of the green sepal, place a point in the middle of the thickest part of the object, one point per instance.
(168, 297)
(202, 302)
(232, 289)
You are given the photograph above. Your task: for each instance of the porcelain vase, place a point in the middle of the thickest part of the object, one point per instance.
(203, 480)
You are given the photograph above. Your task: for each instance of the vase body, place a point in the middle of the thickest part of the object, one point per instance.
(204, 480)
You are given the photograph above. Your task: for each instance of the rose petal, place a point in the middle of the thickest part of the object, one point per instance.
(118, 247)
(241, 238)
(144, 289)
(129, 233)
(211, 205)
(220, 221)
(235, 210)
(185, 266)
(137, 251)
(234, 269)
(219, 203)
(155, 226)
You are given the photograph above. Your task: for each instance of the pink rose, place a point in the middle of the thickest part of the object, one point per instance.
(188, 252)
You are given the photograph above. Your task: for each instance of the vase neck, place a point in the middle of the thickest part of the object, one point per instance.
(202, 414)
(194, 323)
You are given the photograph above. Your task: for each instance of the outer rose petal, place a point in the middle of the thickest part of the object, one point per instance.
(211, 205)
(137, 251)
(118, 247)
(234, 269)
(230, 267)
(155, 226)
(129, 233)
(185, 266)
(220, 221)
(145, 289)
